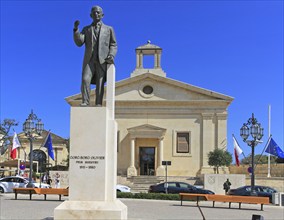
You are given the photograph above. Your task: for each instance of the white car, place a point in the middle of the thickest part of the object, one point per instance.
(122, 188)
(38, 185)
(8, 183)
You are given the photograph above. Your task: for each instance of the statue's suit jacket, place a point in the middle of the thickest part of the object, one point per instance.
(107, 42)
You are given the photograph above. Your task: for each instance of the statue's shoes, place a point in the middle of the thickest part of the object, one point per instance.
(98, 105)
(84, 104)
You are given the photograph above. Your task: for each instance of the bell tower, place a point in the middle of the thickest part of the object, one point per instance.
(148, 50)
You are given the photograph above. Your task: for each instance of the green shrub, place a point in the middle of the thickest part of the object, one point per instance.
(157, 196)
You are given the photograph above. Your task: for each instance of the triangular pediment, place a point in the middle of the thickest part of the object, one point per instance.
(163, 89)
(146, 127)
(159, 89)
(146, 131)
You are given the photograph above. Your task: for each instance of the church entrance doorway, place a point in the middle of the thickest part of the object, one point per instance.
(147, 160)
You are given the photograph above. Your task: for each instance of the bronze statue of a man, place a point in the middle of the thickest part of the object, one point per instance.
(100, 50)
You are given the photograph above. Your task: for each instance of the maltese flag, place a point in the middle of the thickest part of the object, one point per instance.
(16, 144)
(237, 151)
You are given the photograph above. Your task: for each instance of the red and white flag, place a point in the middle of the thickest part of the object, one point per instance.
(16, 144)
(237, 151)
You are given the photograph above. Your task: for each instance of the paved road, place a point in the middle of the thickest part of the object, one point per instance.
(23, 208)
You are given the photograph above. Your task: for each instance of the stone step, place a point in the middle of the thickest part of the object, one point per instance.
(142, 183)
(145, 182)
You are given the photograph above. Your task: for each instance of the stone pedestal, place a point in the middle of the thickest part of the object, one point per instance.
(91, 210)
(93, 167)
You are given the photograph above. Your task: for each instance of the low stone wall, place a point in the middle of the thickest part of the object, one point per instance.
(261, 170)
(276, 180)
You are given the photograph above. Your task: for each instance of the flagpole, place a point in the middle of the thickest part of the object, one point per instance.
(18, 168)
(268, 166)
(263, 150)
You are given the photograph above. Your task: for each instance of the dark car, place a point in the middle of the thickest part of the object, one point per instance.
(264, 191)
(177, 187)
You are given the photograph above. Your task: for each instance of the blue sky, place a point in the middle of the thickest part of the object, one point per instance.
(231, 47)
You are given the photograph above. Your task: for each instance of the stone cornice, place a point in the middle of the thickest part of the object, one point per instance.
(222, 116)
(186, 103)
(165, 103)
(207, 116)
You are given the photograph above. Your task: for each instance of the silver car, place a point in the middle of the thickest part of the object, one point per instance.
(122, 188)
(8, 183)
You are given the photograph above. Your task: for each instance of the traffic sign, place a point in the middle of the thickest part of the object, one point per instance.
(22, 166)
(250, 169)
(165, 162)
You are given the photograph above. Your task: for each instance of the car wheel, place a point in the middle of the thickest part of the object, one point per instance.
(1, 189)
(118, 190)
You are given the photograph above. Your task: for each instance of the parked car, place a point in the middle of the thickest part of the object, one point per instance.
(8, 183)
(177, 187)
(264, 191)
(122, 188)
(39, 185)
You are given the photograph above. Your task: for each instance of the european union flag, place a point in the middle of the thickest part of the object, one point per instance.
(48, 145)
(274, 149)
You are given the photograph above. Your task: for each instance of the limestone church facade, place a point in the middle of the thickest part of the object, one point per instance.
(161, 119)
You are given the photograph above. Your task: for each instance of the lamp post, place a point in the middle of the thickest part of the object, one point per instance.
(32, 127)
(256, 132)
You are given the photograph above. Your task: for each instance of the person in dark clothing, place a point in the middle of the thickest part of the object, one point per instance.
(49, 181)
(227, 186)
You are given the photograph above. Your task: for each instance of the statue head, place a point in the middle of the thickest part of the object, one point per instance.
(97, 13)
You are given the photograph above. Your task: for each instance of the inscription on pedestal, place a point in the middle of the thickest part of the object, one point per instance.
(87, 162)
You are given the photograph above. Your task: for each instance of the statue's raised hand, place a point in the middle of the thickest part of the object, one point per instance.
(76, 24)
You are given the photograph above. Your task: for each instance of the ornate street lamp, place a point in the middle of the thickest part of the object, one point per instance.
(253, 128)
(32, 131)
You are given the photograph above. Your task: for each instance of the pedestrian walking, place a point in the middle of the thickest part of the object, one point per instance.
(57, 180)
(49, 180)
(44, 178)
(226, 186)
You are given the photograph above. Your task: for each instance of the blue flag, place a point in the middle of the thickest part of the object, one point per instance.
(274, 149)
(48, 145)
